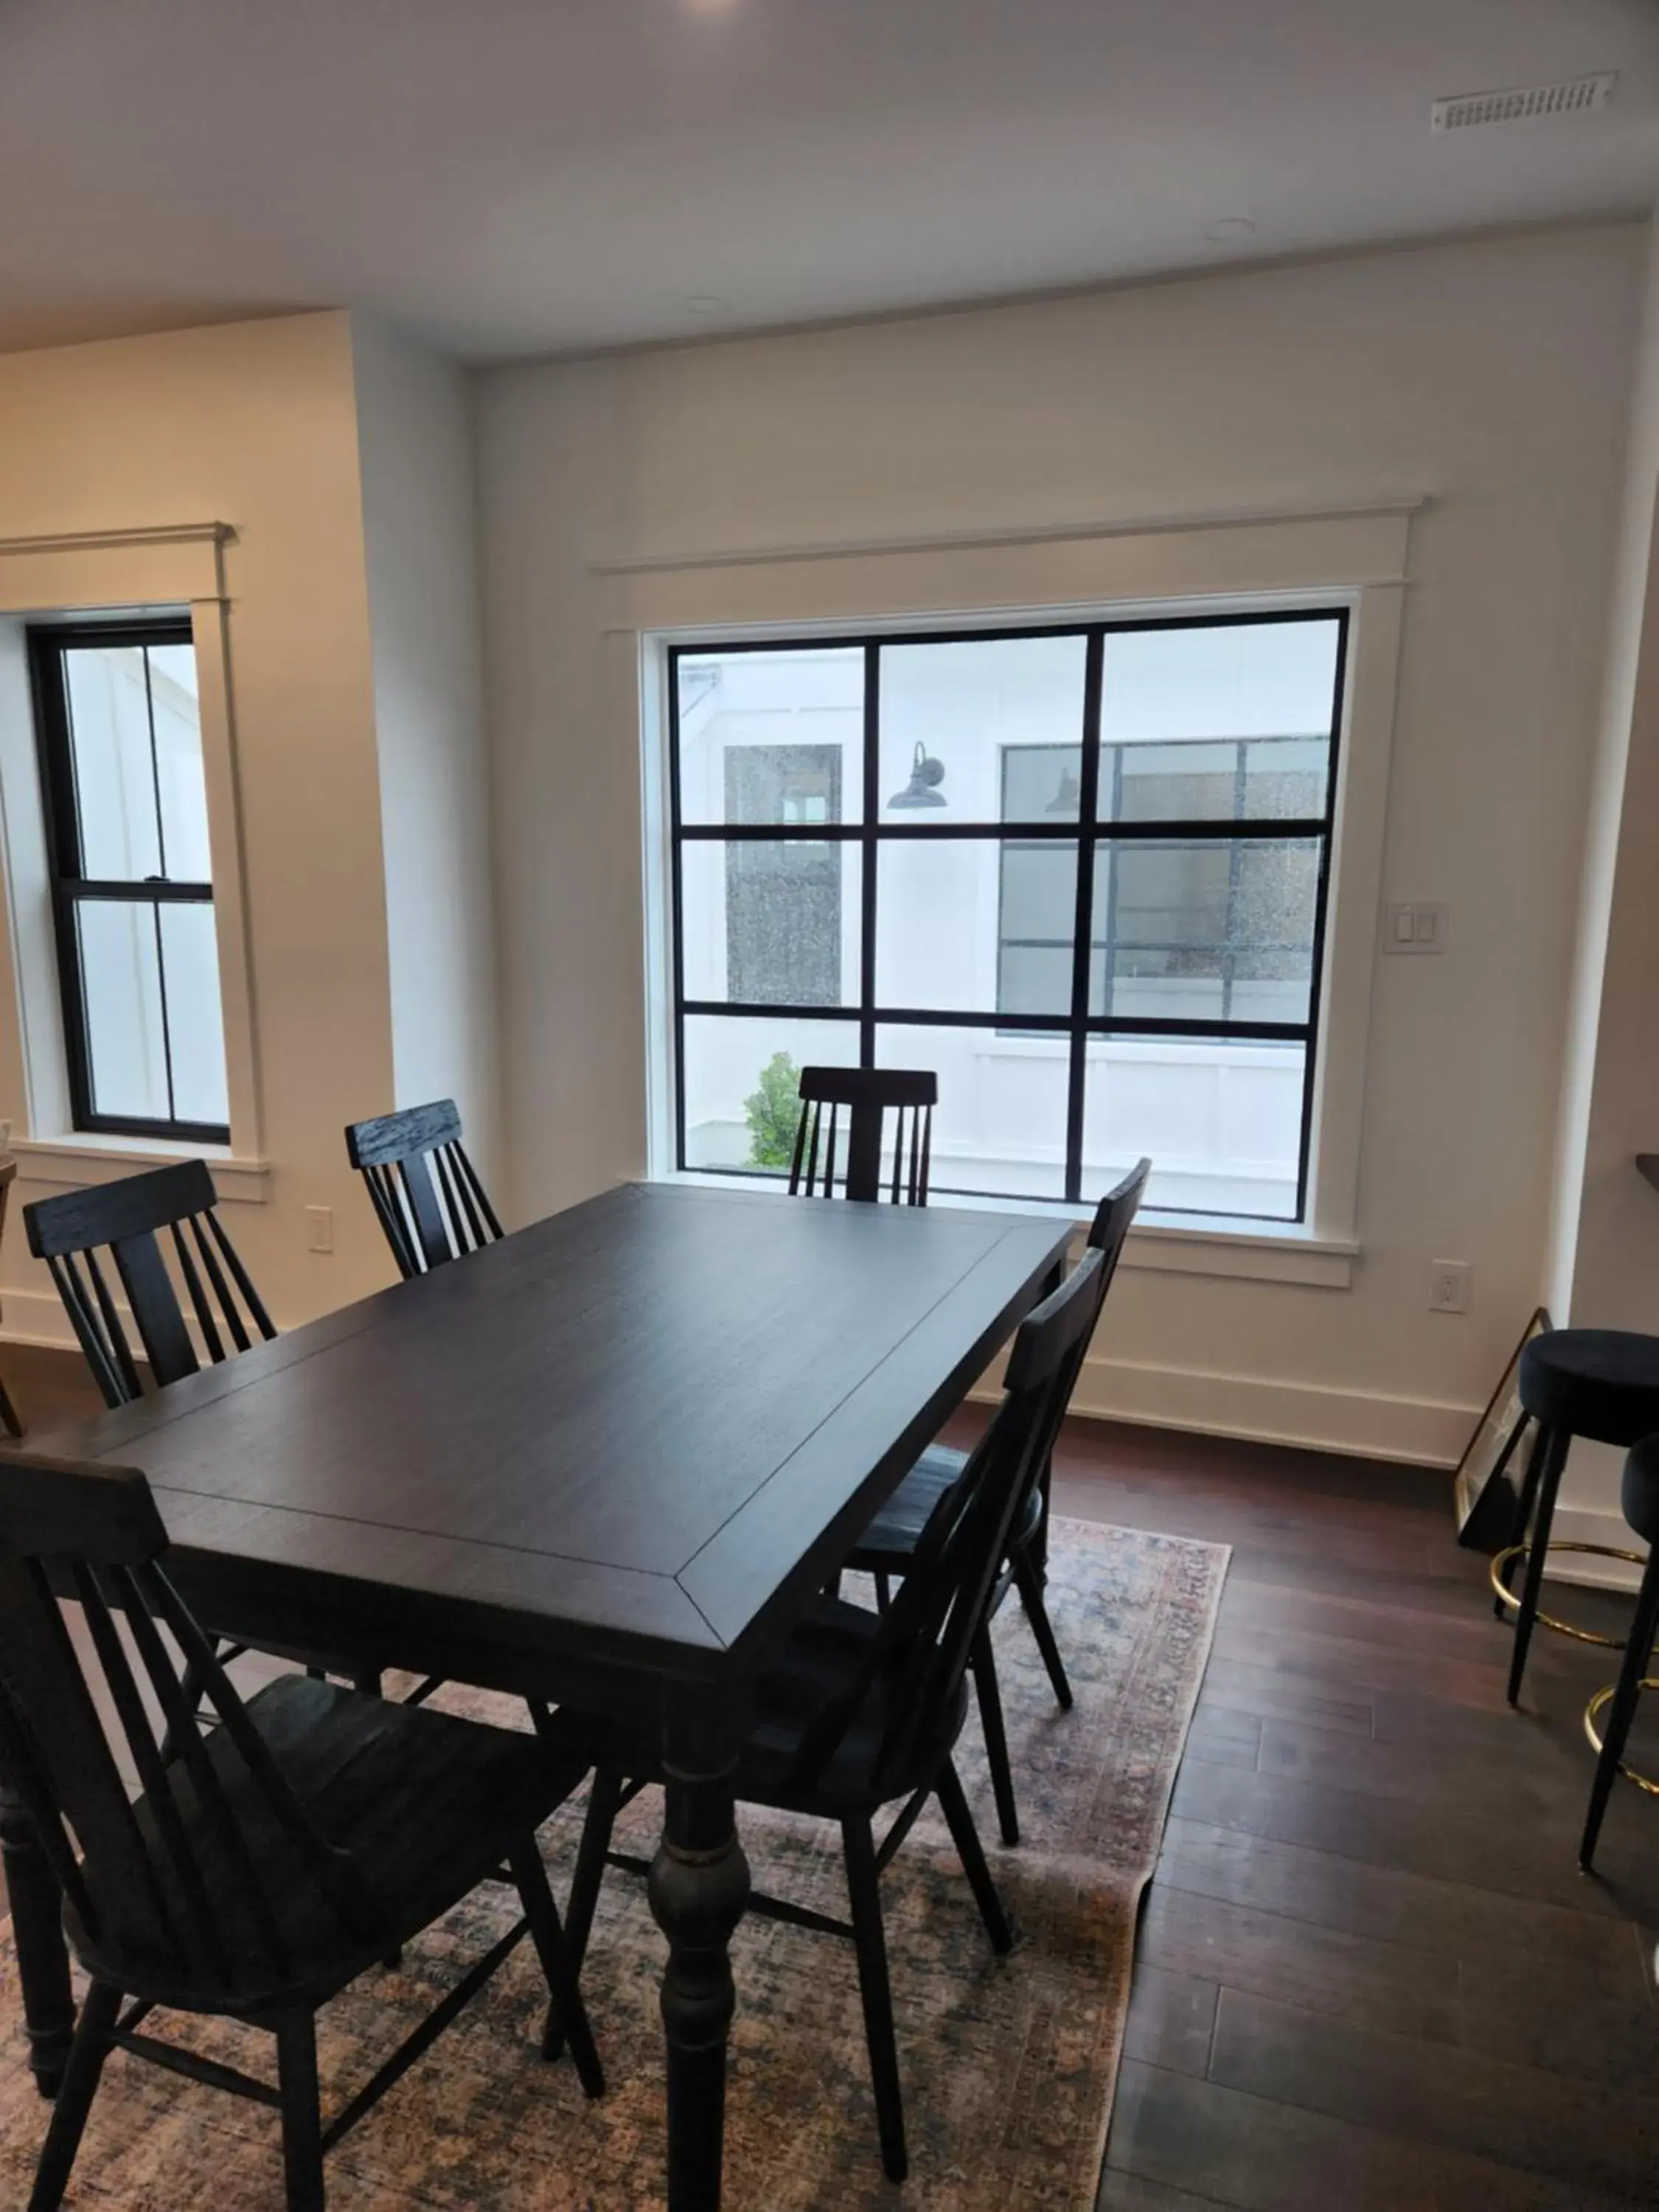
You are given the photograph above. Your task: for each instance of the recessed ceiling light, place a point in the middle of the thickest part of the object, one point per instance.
(705, 303)
(1228, 229)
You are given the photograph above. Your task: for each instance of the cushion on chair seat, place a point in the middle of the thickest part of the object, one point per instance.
(1601, 1383)
(423, 1804)
(888, 1543)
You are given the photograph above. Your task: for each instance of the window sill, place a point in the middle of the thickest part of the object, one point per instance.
(1241, 1249)
(84, 1157)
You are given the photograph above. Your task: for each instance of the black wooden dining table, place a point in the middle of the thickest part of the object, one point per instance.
(606, 1462)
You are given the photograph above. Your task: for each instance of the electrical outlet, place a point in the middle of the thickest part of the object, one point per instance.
(319, 1224)
(1449, 1285)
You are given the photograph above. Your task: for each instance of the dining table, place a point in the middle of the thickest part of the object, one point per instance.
(607, 1462)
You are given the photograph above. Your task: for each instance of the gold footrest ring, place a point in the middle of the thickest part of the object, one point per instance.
(1592, 1709)
(1505, 1559)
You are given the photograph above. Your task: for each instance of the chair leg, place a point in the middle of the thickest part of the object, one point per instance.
(8, 1413)
(1029, 1582)
(1524, 1503)
(1549, 1483)
(870, 1940)
(604, 1798)
(564, 1992)
(884, 1582)
(953, 1801)
(989, 1693)
(1639, 1651)
(302, 2121)
(69, 2118)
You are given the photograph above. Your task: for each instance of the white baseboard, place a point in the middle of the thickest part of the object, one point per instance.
(37, 1318)
(1590, 1524)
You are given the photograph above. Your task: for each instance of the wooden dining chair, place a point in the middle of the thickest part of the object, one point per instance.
(425, 1189)
(126, 1220)
(9, 1418)
(267, 1862)
(863, 1709)
(825, 1144)
(889, 1545)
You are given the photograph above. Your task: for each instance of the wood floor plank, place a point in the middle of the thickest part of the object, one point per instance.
(1171, 2020)
(1262, 2155)
(1577, 2132)
(1371, 1982)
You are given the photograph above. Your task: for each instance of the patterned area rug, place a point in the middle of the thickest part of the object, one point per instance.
(1008, 2067)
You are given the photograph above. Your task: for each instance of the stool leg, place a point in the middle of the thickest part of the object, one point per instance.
(1549, 1482)
(1526, 1501)
(1638, 1652)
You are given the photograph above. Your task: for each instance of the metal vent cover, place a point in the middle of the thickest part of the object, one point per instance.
(1572, 95)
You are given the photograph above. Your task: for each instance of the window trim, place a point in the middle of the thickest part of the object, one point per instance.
(1086, 834)
(46, 645)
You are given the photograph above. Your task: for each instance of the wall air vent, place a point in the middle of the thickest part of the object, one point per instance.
(1572, 95)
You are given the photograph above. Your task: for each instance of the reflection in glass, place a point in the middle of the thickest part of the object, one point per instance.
(973, 705)
(121, 980)
(771, 921)
(1220, 1118)
(772, 737)
(999, 1127)
(1217, 930)
(195, 1022)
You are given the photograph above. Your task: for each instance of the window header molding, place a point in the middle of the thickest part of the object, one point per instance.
(158, 564)
(841, 548)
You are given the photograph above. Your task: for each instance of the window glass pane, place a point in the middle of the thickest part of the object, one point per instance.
(739, 1081)
(969, 704)
(948, 910)
(1216, 930)
(178, 764)
(771, 922)
(108, 697)
(1221, 1121)
(196, 1027)
(1217, 723)
(122, 983)
(999, 1126)
(772, 737)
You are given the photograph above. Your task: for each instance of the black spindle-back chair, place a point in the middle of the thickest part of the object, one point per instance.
(266, 1865)
(888, 1546)
(863, 1708)
(126, 1219)
(824, 1145)
(425, 1190)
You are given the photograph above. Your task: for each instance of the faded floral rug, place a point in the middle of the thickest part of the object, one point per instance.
(1008, 2067)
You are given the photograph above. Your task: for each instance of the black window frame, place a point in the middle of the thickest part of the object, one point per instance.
(1087, 832)
(48, 643)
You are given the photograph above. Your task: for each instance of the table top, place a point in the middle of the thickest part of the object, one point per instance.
(640, 1431)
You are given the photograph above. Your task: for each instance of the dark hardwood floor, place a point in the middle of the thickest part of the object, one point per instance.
(1370, 1977)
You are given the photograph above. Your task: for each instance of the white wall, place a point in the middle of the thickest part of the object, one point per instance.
(414, 438)
(254, 425)
(1604, 1255)
(1490, 377)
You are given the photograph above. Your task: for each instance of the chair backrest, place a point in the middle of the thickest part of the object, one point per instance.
(426, 1191)
(125, 1218)
(926, 1634)
(175, 1882)
(865, 1095)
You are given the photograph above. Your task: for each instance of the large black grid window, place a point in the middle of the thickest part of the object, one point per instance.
(118, 723)
(1080, 871)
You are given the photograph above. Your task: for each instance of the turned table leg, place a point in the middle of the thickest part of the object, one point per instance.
(699, 1886)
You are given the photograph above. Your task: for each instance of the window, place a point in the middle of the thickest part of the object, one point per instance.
(120, 740)
(1079, 871)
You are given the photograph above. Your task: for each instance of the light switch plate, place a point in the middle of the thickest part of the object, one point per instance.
(1414, 928)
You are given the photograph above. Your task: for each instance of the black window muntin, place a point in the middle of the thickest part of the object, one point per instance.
(48, 646)
(1088, 832)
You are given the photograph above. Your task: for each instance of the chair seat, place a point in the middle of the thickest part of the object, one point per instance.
(816, 1669)
(888, 1544)
(1640, 1491)
(1600, 1383)
(422, 1803)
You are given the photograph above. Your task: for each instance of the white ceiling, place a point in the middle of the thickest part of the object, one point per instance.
(527, 176)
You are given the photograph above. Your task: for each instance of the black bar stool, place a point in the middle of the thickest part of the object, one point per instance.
(1601, 1383)
(1640, 1500)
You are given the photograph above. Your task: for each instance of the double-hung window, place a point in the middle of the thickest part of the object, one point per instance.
(119, 729)
(1080, 872)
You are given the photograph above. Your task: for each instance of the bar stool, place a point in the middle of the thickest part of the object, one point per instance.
(1601, 1383)
(1640, 1500)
